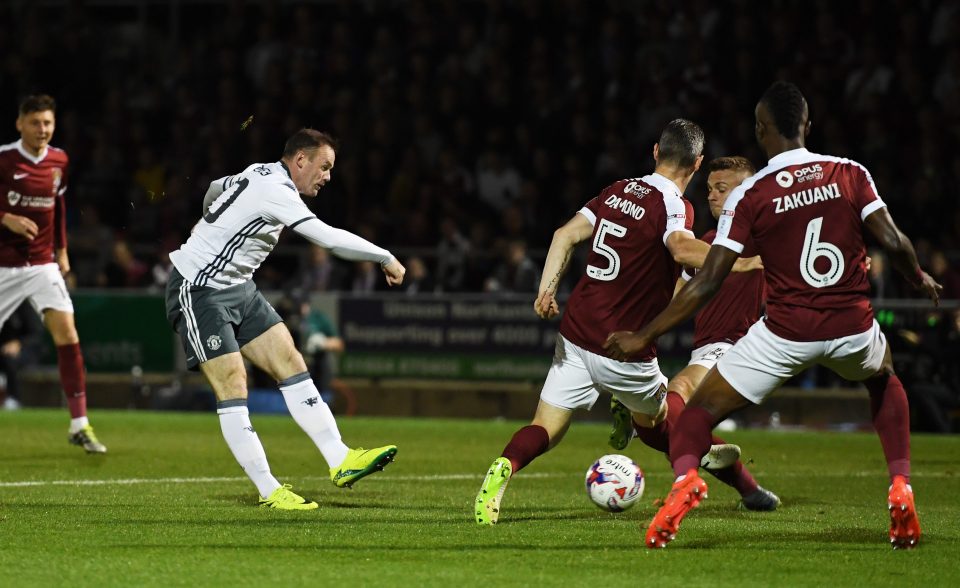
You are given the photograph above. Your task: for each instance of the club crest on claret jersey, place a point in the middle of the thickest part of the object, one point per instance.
(57, 175)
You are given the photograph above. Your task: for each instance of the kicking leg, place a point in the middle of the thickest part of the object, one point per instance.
(273, 351)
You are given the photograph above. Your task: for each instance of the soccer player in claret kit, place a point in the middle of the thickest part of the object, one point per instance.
(640, 230)
(805, 213)
(33, 249)
(222, 319)
(717, 327)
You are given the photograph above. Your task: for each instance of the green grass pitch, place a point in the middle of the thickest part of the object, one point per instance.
(180, 512)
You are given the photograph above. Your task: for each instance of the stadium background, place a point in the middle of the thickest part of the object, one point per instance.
(470, 130)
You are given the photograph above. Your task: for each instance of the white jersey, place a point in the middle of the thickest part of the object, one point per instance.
(241, 226)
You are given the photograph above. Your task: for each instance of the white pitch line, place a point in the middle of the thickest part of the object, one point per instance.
(427, 478)
(130, 481)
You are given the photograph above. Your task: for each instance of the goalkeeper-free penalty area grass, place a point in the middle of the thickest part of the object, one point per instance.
(169, 506)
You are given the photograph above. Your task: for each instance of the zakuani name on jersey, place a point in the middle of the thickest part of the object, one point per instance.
(807, 197)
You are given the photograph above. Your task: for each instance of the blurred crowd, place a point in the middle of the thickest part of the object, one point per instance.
(470, 129)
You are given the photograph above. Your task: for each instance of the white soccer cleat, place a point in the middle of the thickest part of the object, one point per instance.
(720, 456)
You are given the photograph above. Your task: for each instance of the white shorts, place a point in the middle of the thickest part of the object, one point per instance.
(577, 377)
(761, 361)
(708, 355)
(42, 285)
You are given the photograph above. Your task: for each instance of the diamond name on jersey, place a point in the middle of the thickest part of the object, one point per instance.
(807, 197)
(626, 206)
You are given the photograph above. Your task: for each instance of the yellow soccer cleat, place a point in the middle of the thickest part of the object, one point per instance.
(284, 499)
(360, 463)
(487, 504)
(622, 431)
(86, 438)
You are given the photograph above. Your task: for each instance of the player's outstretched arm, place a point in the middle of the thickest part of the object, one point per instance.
(902, 254)
(690, 251)
(622, 344)
(565, 238)
(351, 247)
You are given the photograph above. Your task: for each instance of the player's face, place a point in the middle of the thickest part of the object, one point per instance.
(719, 185)
(36, 129)
(317, 170)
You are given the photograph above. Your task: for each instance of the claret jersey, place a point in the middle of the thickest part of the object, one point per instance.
(33, 187)
(630, 273)
(734, 308)
(805, 212)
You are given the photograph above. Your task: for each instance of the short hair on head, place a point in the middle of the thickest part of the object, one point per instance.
(681, 143)
(37, 103)
(733, 163)
(786, 105)
(308, 140)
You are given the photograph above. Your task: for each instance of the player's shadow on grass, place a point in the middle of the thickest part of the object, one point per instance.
(852, 538)
(526, 515)
(352, 548)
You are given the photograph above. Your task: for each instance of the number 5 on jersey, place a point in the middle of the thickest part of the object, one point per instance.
(606, 274)
(814, 248)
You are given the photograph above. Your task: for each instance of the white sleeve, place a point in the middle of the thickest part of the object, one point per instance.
(217, 187)
(589, 214)
(341, 243)
(676, 210)
(725, 223)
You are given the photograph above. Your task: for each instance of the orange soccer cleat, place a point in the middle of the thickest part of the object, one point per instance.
(685, 495)
(904, 524)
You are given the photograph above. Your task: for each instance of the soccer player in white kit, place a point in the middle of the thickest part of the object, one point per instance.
(223, 319)
(806, 213)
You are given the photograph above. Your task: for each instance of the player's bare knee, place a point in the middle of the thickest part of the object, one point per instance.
(682, 386)
(62, 329)
(646, 420)
(230, 385)
(289, 363)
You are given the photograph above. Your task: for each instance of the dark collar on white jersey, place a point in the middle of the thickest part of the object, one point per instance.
(286, 169)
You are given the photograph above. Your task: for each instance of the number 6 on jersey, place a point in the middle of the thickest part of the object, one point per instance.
(814, 248)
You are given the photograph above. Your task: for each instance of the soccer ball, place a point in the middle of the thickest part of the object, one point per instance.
(614, 483)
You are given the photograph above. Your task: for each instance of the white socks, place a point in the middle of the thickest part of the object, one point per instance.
(245, 444)
(314, 417)
(78, 423)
